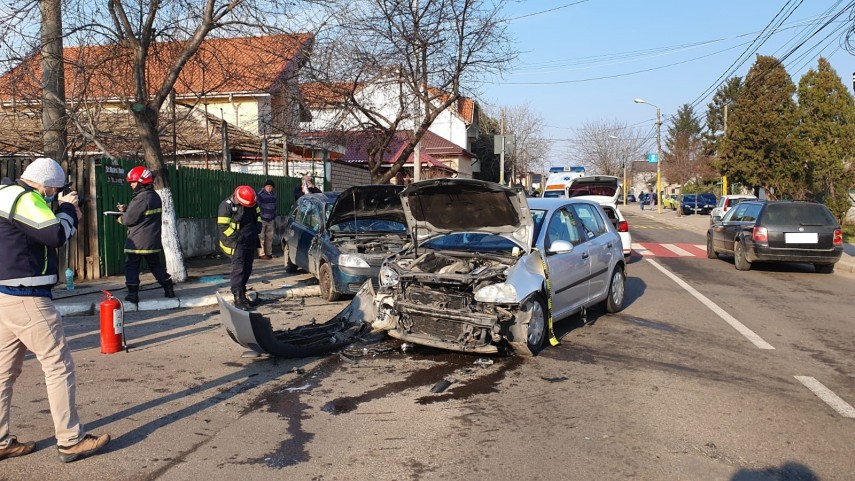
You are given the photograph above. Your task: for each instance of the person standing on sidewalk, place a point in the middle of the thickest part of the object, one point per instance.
(142, 216)
(30, 233)
(267, 203)
(239, 226)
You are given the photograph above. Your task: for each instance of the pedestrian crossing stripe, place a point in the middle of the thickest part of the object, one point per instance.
(652, 249)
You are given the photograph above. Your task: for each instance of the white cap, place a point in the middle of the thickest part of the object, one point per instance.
(45, 171)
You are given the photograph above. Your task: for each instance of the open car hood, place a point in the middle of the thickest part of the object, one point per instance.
(444, 206)
(381, 202)
(602, 189)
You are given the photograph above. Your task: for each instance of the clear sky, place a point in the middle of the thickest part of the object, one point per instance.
(585, 61)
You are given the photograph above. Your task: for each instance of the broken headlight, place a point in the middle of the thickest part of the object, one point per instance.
(351, 260)
(500, 292)
(388, 277)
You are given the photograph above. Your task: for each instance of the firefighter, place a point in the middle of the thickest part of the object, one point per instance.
(239, 226)
(30, 233)
(142, 216)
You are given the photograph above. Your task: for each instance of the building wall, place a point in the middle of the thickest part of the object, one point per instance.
(240, 111)
(344, 176)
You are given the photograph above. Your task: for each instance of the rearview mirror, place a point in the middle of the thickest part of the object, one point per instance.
(716, 218)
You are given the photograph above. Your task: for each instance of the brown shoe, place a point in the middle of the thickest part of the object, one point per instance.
(15, 449)
(90, 444)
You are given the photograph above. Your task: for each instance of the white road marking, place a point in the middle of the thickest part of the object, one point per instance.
(677, 250)
(842, 407)
(740, 327)
(639, 249)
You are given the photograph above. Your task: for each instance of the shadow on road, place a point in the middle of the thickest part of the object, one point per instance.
(786, 472)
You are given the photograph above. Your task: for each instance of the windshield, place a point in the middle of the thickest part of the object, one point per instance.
(362, 226)
(537, 216)
(553, 193)
(470, 241)
(577, 190)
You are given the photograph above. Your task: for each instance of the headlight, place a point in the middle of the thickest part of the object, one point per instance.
(496, 293)
(351, 260)
(388, 277)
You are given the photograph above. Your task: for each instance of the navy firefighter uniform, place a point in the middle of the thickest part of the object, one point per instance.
(238, 220)
(142, 216)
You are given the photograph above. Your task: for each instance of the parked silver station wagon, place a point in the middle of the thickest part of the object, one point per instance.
(474, 280)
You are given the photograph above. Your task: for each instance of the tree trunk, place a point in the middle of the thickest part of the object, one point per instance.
(53, 81)
(145, 118)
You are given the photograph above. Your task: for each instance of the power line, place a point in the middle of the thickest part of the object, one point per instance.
(547, 11)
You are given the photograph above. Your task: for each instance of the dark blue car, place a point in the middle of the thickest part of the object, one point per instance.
(342, 238)
(697, 203)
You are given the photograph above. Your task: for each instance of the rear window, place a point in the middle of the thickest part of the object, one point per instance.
(607, 190)
(798, 214)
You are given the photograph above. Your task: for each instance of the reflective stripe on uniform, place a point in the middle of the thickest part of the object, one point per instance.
(153, 211)
(227, 250)
(143, 251)
(30, 281)
(31, 210)
(223, 220)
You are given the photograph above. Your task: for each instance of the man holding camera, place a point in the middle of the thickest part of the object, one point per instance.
(30, 233)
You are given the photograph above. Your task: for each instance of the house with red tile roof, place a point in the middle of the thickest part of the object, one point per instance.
(242, 89)
(458, 125)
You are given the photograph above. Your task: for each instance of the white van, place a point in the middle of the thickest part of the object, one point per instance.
(559, 178)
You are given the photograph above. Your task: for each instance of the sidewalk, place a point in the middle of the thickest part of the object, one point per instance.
(700, 224)
(205, 277)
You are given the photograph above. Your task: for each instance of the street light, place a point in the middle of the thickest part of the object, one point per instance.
(658, 152)
(624, 171)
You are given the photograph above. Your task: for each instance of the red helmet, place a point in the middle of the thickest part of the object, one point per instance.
(140, 174)
(245, 196)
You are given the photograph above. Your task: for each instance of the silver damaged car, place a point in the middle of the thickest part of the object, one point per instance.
(473, 279)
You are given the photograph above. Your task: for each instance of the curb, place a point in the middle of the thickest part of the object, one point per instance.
(90, 308)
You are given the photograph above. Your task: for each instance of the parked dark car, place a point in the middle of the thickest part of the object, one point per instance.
(697, 203)
(343, 238)
(777, 231)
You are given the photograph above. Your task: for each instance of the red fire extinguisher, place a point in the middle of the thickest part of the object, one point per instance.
(112, 325)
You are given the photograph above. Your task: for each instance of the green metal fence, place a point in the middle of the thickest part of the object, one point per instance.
(197, 193)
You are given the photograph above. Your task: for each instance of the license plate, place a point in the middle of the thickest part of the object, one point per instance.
(801, 237)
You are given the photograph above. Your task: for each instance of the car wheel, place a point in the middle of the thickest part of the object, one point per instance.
(325, 279)
(739, 259)
(824, 268)
(538, 323)
(290, 267)
(711, 253)
(617, 288)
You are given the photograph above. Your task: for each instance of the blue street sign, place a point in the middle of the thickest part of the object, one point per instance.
(653, 158)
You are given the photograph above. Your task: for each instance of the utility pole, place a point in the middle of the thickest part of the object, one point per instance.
(724, 177)
(54, 139)
(659, 159)
(502, 151)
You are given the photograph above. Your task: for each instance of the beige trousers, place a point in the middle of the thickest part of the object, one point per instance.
(34, 323)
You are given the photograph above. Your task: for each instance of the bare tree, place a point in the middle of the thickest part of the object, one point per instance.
(529, 150)
(152, 43)
(605, 147)
(398, 64)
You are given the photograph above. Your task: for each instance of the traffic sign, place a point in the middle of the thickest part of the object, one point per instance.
(653, 158)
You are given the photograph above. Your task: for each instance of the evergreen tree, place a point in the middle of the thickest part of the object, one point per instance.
(683, 158)
(759, 148)
(725, 95)
(826, 135)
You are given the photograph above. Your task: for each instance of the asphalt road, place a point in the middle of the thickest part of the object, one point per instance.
(706, 375)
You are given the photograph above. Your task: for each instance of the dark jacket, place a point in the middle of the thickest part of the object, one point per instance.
(267, 203)
(30, 232)
(143, 217)
(238, 225)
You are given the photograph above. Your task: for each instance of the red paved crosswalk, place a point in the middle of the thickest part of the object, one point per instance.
(654, 249)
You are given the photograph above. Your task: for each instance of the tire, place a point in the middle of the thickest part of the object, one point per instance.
(711, 253)
(325, 279)
(824, 268)
(290, 267)
(537, 329)
(739, 260)
(617, 289)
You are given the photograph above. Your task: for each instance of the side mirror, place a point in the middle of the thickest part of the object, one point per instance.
(716, 218)
(560, 247)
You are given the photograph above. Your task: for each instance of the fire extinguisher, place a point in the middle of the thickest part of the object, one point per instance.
(112, 325)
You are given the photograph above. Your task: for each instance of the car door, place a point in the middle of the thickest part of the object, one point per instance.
(303, 230)
(568, 271)
(600, 245)
(731, 224)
